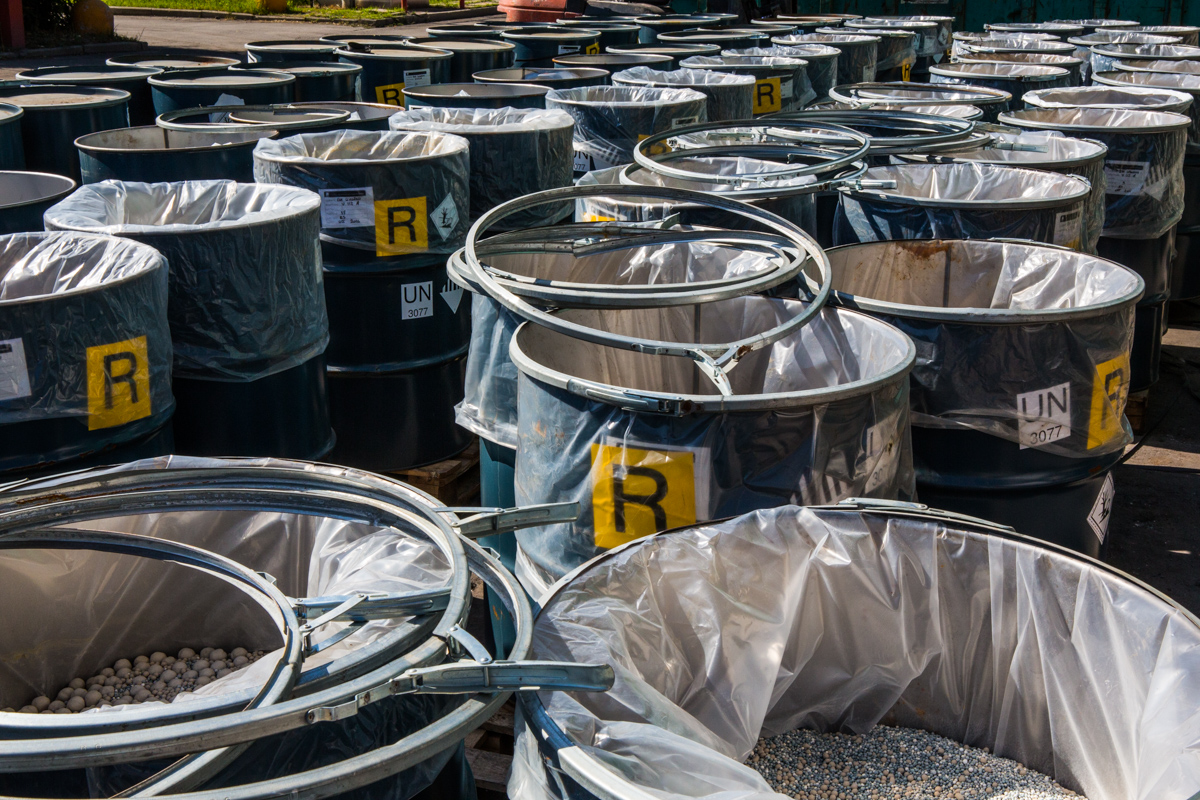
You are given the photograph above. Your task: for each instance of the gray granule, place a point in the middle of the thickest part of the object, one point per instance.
(890, 763)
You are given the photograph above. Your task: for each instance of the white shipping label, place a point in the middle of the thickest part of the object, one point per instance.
(1068, 229)
(1102, 509)
(683, 122)
(583, 162)
(416, 300)
(348, 208)
(785, 89)
(14, 374)
(416, 77)
(445, 217)
(567, 49)
(1044, 415)
(1126, 177)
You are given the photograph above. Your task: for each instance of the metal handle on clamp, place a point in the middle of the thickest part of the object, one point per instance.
(875, 504)
(869, 184)
(490, 521)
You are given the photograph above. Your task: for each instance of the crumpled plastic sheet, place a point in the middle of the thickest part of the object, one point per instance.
(1015, 79)
(926, 43)
(1070, 63)
(610, 120)
(822, 62)
(1084, 45)
(1144, 166)
(917, 209)
(245, 296)
(1188, 83)
(514, 152)
(795, 90)
(990, 101)
(107, 606)
(489, 404)
(1137, 97)
(895, 49)
(961, 39)
(1182, 67)
(1105, 56)
(62, 294)
(945, 28)
(706, 465)
(858, 54)
(957, 112)
(427, 169)
(1055, 149)
(729, 96)
(840, 620)
(1018, 43)
(974, 374)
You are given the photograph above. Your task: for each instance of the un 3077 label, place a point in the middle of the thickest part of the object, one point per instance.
(1068, 229)
(1044, 415)
(416, 300)
(14, 373)
(348, 208)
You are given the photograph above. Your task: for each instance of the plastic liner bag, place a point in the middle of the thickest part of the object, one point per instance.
(897, 47)
(994, 323)
(1180, 67)
(957, 112)
(780, 83)
(822, 62)
(1084, 45)
(926, 43)
(841, 619)
(1143, 170)
(611, 120)
(857, 54)
(513, 152)
(1180, 82)
(1071, 64)
(75, 309)
(729, 96)
(358, 172)
(489, 405)
(962, 39)
(93, 597)
(1105, 56)
(1141, 98)
(945, 28)
(245, 295)
(1053, 152)
(1015, 79)
(964, 201)
(635, 472)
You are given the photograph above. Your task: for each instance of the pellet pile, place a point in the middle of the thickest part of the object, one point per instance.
(156, 677)
(892, 763)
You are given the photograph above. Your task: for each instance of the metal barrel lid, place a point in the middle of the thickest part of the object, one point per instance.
(300, 68)
(597, 25)
(306, 48)
(554, 33)
(365, 38)
(895, 131)
(673, 49)
(358, 111)
(395, 52)
(477, 90)
(18, 188)
(1001, 71)
(613, 61)
(170, 61)
(151, 138)
(467, 30)
(913, 94)
(555, 78)
(221, 78)
(465, 45)
(10, 112)
(84, 75)
(1060, 29)
(286, 118)
(54, 96)
(679, 21)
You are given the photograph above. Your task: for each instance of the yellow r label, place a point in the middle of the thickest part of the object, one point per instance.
(593, 49)
(392, 95)
(118, 383)
(1109, 393)
(639, 492)
(906, 72)
(401, 226)
(768, 96)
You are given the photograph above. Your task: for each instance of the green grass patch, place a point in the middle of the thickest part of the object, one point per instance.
(294, 7)
(236, 6)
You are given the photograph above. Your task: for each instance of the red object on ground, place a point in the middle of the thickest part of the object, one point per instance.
(535, 10)
(12, 24)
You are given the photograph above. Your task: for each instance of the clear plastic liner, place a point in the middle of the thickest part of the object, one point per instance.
(964, 201)
(1180, 67)
(1143, 168)
(944, 24)
(859, 54)
(66, 301)
(1188, 83)
(1073, 65)
(489, 405)
(1146, 99)
(1084, 45)
(246, 297)
(957, 112)
(514, 152)
(780, 83)
(421, 180)
(636, 472)
(1105, 56)
(962, 39)
(895, 49)
(822, 62)
(729, 96)
(927, 43)
(838, 620)
(611, 120)
(1019, 44)
(982, 349)
(1002, 76)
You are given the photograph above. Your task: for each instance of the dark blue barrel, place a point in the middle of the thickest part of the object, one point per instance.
(539, 46)
(1020, 389)
(478, 95)
(317, 80)
(291, 50)
(171, 61)
(615, 62)
(151, 154)
(472, 55)
(676, 51)
(466, 30)
(1152, 260)
(781, 83)
(388, 69)
(807, 23)
(85, 348)
(12, 146)
(127, 78)
(612, 34)
(197, 88)
(552, 78)
(651, 27)
(393, 206)
(858, 54)
(1016, 79)
(725, 39)
(247, 310)
(55, 116)
(25, 196)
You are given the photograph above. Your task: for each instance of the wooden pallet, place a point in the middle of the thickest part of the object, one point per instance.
(1135, 411)
(490, 751)
(454, 481)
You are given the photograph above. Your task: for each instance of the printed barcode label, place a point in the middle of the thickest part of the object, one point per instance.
(348, 208)
(1068, 229)
(1126, 177)
(416, 77)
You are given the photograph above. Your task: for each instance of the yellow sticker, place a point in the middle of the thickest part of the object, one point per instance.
(639, 492)
(1109, 393)
(118, 383)
(401, 226)
(768, 95)
(598, 218)
(906, 72)
(592, 49)
(392, 95)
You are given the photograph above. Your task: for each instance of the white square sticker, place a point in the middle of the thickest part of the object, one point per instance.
(348, 208)
(14, 374)
(1068, 229)
(1044, 415)
(416, 77)
(1126, 177)
(567, 49)
(785, 89)
(416, 300)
